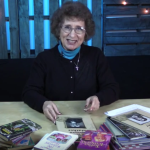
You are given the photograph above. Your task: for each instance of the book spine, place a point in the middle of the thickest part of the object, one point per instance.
(115, 143)
(107, 129)
(113, 135)
(16, 141)
(101, 128)
(21, 134)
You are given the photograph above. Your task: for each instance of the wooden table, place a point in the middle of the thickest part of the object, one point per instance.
(12, 111)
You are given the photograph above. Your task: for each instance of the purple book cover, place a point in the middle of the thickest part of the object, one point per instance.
(94, 140)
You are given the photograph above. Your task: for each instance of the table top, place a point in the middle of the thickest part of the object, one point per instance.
(12, 111)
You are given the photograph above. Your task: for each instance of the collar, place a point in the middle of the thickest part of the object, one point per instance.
(68, 54)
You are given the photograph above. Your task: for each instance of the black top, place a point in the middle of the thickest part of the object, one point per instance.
(55, 78)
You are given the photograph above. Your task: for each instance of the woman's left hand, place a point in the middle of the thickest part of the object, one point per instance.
(92, 104)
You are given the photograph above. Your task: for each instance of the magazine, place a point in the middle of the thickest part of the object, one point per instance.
(56, 140)
(135, 116)
(94, 140)
(130, 132)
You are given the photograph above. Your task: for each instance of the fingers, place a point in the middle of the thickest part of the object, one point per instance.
(95, 103)
(51, 111)
(49, 116)
(92, 104)
(88, 104)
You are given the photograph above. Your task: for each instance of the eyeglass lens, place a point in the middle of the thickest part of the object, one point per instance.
(78, 30)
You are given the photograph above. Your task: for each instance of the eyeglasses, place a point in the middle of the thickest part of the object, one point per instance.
(78, 30)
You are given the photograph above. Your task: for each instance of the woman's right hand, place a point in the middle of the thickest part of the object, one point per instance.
(50, 111)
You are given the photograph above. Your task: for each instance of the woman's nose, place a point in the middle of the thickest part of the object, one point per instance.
(72, 33)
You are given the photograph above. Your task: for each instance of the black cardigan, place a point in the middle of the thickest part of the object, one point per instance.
(55, 78)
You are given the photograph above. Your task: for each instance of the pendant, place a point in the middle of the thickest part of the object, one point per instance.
(77, 68)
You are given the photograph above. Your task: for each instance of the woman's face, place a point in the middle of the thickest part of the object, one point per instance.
(71, 41)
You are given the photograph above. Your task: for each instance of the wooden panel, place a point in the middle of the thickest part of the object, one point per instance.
(14, 30)
(127, 23)
(125, 10)
(130, 39)
(96, 12)
(38, 23)
(128, 1)
(63, 1)
(54, 5)
(24, 28)
(134, 24)
(127, 34)
(3, 42)
(127, 50)
(83, 1)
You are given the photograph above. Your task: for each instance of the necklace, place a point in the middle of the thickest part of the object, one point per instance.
(76, 64)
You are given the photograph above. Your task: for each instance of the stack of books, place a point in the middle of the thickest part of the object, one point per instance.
(16, 135)
(129, 126)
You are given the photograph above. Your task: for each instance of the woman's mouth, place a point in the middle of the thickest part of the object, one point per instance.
(71, 42)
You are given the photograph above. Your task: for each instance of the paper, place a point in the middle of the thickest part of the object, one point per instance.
(126, 109)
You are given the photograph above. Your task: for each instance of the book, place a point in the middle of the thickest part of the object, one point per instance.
(23, 141)
(104, 128)
(134, 115)
(94, 140)
(17, 129)
(5, 142)
(14, 141)
(115, 144)
(74, 124)
(130, 132)
(13, 130)
(143, 146)
(56, 140)
(5, 145)
(138, 146)
(115, 131)
(126, 141)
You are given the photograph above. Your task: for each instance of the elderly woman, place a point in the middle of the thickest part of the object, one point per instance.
(70, 70)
